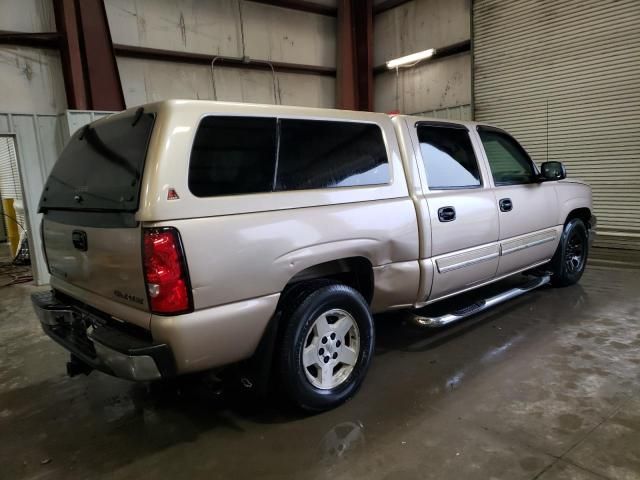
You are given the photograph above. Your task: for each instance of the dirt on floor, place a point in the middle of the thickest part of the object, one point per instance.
(543, 387)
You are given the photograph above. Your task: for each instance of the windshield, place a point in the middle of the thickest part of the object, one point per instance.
(101, 166)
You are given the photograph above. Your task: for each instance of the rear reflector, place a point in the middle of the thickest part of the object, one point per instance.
(165, 272)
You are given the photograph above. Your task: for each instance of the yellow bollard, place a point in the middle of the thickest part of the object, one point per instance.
(13, 232)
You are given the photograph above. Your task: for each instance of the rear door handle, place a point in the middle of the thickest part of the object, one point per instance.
(505, 205)
(446, 214)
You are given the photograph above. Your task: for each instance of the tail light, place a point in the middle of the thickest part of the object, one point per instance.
(165, 272)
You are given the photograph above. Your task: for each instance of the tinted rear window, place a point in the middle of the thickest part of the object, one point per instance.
(241, 155)
(233, 155)
(322, 154)
(101, 166)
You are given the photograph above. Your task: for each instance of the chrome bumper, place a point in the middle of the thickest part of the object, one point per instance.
(99, 345)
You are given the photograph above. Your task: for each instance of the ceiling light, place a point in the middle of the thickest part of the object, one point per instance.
(410, 59)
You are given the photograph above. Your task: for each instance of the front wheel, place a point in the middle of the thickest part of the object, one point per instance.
(570, 259)
(327, 346)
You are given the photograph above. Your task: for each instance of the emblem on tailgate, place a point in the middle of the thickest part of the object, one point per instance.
(128, 297)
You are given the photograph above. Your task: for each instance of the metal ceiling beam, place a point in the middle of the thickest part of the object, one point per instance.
(388, 5)
(48, 40)
(205, 59)
(302, 5)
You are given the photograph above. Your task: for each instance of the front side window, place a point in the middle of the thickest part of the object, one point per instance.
(448, 157)
(324, 154)
(509, 162)
(232, 156)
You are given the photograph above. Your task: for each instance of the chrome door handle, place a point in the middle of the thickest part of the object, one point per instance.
(505, 205)
(446, 214)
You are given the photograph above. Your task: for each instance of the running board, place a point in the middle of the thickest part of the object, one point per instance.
(481, 305)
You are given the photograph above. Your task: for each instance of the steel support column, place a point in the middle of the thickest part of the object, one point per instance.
(91, 77)
(354, 89)
(101, 69)
(363, 26)
(71, 53)
(346, 94)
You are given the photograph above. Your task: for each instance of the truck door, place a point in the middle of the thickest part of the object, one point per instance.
(528, 209)
(462, 234)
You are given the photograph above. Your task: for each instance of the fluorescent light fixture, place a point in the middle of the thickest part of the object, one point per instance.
(410, 59)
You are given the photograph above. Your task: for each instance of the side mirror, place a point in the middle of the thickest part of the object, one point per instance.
(553, 171)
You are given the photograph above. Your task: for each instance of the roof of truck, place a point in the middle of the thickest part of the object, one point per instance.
(211, 105)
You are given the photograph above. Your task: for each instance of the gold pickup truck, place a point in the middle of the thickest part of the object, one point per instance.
(186, 235)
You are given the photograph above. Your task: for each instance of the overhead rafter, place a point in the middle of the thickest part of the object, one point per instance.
(49, 40)
(388, 5)
(205, 59)
(302, 5)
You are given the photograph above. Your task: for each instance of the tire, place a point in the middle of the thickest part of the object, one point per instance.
(570, 259)
(325, 326)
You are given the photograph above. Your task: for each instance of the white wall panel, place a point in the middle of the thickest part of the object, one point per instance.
(150, 80)
(31, 81)
(290, 36)
(213, 27)
(564, 78)
(428, 86)
(27, 16)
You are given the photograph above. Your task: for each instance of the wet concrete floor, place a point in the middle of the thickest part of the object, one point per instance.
(544, 387)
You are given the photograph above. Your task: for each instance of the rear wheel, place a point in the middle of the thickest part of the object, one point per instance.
(326, 347)
(570, 259)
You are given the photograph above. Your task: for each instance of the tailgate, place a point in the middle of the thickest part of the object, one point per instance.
(92, 240)
(104, 261)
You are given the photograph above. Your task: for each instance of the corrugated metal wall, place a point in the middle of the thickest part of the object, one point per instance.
(564, 78)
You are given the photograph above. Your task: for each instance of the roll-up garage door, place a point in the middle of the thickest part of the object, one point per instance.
(9, 177)
(564, 78)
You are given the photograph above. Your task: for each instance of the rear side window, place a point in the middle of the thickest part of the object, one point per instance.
(101, 166)
(322, 154)
(242, 155)
(510, 164)
(448, 157)
(233, 155)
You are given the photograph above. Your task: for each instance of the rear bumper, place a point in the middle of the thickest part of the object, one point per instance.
(101, 344)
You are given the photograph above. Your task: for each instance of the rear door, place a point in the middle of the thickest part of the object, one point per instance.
(463, 230)
(528, 209)
(92, 240)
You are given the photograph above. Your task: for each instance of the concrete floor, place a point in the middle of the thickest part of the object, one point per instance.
(544, 387)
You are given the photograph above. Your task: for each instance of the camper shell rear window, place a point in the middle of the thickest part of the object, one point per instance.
(100, 168)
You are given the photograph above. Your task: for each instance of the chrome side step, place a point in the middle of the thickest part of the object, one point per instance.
(481, 305)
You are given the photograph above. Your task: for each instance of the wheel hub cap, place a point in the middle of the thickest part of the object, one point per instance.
(331, 349)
